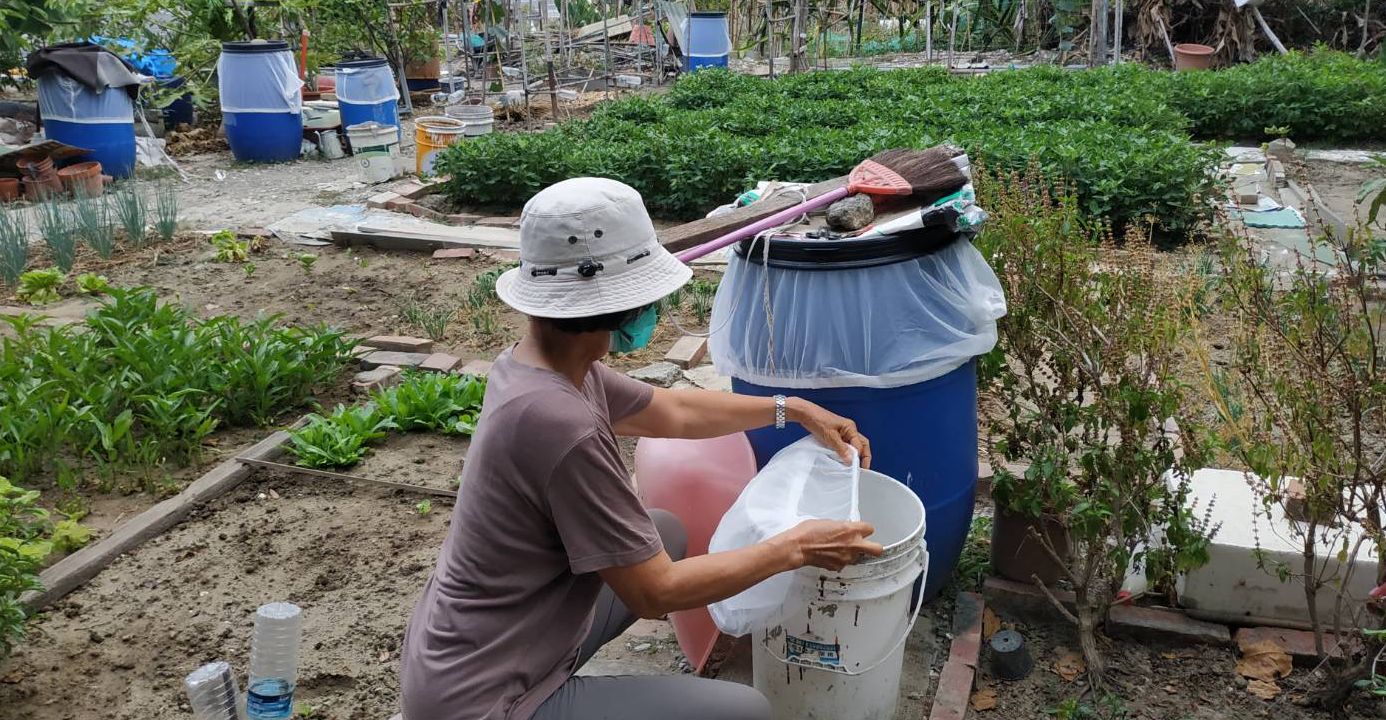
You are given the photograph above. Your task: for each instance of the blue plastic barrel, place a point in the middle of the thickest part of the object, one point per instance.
(709, 43)
(180, 111)
(883, 333)
(366, 91)
(261, 100)
(102, 122)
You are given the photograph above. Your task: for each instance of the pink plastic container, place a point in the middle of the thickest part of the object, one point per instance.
(697, 481)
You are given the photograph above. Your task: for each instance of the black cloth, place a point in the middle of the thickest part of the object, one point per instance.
(87, 63)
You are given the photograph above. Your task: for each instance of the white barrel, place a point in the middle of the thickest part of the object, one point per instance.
(840, 657)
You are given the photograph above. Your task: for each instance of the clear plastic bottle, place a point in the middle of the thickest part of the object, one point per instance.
(212, 692)
(274, 661)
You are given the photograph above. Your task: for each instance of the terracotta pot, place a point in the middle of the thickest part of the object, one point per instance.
(83, 179)
(1192, 56)
(1017, 555)
(36, 190)
(35, 167)
(9, 189)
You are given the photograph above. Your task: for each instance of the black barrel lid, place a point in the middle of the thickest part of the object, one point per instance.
(254, 46)
(850, 253)
(364, 62)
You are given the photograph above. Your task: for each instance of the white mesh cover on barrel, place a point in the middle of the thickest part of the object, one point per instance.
(64, 99)
(262, 82)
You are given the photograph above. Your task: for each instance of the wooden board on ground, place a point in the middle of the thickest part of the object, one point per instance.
(443, 237)
(619, 25)
(697, 232)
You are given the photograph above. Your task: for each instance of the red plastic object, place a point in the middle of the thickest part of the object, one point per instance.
(697, 481)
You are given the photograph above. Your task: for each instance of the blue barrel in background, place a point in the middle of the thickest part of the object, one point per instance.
(180, 111)
(709, 42)
(882, 332)
(261, 100)
(102, 122)
(366, 91)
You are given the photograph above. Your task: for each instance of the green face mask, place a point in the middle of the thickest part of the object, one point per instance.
(635, 333)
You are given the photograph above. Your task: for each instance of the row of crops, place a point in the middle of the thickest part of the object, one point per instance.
(1133, 141)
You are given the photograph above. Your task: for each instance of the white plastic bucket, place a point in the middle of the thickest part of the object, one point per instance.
(376, 147)
(476, 119)
(840, 657)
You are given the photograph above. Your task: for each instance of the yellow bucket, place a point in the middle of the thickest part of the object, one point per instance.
(432, 135)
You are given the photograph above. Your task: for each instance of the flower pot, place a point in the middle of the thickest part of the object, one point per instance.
(1192, 56)
(37, 190)
(9, 189)
(1017, 555)
(83, 179)
(35, 167)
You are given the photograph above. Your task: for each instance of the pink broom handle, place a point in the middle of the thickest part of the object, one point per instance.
(753, 229)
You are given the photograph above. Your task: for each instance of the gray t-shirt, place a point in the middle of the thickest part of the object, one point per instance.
(545, 503)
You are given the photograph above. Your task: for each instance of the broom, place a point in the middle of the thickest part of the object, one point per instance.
(923, 174)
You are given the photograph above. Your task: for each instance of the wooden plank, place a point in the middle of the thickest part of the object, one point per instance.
(444, 238)
(698, 232)
(76, 569)
(618, 25)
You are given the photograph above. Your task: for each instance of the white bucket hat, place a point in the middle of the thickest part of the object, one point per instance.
(587, 247)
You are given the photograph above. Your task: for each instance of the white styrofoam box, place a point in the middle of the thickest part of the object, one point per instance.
(1231, 588)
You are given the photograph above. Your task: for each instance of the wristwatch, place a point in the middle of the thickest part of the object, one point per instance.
(779, 412)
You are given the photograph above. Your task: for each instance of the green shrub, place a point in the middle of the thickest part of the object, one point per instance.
(1122, 135)
(23, 548)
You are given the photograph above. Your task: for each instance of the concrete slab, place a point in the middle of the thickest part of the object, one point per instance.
(1231, 588)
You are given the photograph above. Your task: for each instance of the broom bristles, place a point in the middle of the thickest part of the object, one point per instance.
(927, 171)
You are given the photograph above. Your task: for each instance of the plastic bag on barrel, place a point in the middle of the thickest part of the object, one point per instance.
(805, 481)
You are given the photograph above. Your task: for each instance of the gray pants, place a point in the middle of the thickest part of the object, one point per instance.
(665, 697)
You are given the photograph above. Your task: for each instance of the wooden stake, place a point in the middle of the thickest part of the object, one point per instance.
(1256, 14)
(1097, 34)
(1116, 34)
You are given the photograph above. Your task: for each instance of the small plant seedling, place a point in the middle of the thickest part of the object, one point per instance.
(14, 246)
(248, 269)
(40, 287)
(305, 261)
(93, 284)
(423, 507)
(93, 216)
(1277, 131)
(59, 231)
(166, 211)
(132, 211)
(229, 249)
(362, 262)
(432, 319)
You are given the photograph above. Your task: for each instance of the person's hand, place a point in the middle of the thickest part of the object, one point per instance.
(834, 431)
(828, 544)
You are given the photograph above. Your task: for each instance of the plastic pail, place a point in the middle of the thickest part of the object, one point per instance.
(431, 135)
(376, 148)
(476, 119)
(840, 657)
(925, 434)
(261, 101)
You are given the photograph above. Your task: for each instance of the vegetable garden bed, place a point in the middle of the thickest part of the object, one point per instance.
(1123, 136)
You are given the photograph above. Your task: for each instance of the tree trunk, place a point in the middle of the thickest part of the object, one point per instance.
(1311, 589)
(1087, 639)
(1097, 34)
(796, 56)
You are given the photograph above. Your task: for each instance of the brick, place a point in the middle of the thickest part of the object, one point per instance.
(954, 690)
(1296, 502)
(660, 374)
(1160, 625)
(377, 379)
(399, 204)
(687, 352)
(500, 221)
(440, 362)
(1298, 643)
(427, 213)
(400, 343)
(254, 232)
(463, 218)
(382, 200)
(454, 254)
(476, 367)
(1016, 599)
(504, 255)
(375, 359)
(408, 188)
(967, 629)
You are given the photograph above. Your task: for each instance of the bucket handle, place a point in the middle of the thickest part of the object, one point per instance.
(914, 617)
